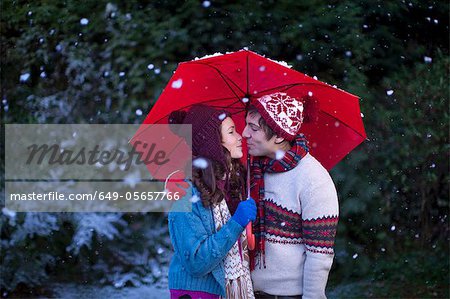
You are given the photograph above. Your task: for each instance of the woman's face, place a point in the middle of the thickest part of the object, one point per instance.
(231, 139)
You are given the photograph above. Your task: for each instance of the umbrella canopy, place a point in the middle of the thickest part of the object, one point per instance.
(233, 80)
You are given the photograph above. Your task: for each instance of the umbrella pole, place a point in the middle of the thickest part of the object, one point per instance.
(249, 229)
(248, 176)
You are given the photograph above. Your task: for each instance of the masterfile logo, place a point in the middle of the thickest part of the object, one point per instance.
(96, 168)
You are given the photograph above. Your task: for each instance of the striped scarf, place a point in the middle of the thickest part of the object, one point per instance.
(261, 165)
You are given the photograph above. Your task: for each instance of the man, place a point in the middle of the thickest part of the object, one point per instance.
(297, 203)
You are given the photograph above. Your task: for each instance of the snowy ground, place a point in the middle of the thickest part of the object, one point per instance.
(76, 291)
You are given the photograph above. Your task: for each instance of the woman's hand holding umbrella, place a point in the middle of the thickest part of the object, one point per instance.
(245, 212)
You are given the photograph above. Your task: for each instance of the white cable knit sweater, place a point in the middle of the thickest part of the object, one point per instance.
(301, 209)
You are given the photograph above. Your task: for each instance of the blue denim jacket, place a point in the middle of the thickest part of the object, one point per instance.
(199, 251)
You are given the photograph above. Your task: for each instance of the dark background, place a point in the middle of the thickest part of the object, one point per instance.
(393, 235)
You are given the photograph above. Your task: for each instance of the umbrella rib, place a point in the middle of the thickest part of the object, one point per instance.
(324, 112)
(225, 78)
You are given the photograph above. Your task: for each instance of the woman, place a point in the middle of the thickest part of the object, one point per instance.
(210, 248)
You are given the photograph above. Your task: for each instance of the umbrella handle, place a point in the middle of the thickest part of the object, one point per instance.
(248, 229)
(250, 236)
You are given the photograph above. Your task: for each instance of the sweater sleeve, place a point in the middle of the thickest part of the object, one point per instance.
(320, 213)
(199, 251)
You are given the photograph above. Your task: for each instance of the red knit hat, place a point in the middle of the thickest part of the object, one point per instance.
(206, 138)
(282, 113)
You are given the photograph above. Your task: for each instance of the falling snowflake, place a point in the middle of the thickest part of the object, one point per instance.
(84, 21)
(200, 163)
(24, 77)
(150, 66)
(310, 93)
(279, 154)
(206, 4)
(138, 112)
(222, 116)
(245, 100)
(427, 59)
(194, 199)
(392, 228)
(177, 84)
(355, 256)
(390, 92)
(262, 68)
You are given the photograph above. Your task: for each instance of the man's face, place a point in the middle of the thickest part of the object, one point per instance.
(257, 142)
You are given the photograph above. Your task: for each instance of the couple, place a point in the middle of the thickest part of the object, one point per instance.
(294, 210)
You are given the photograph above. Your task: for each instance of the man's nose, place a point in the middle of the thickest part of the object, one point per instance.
(245, 133)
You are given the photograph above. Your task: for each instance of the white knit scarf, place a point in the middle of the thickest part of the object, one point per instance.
(237, 272)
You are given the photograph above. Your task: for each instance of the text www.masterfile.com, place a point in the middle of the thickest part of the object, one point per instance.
(96, 195)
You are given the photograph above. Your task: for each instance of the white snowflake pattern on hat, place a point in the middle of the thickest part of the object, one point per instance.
(284, 111)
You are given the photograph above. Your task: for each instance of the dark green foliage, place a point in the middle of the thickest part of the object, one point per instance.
(393, 189)
(39, 249)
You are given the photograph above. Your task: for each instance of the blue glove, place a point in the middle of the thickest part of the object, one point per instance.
(245, 212)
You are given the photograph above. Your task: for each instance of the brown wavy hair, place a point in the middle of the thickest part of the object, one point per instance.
(206, 181)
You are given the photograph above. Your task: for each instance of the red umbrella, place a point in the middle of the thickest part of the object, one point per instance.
(231, 80)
